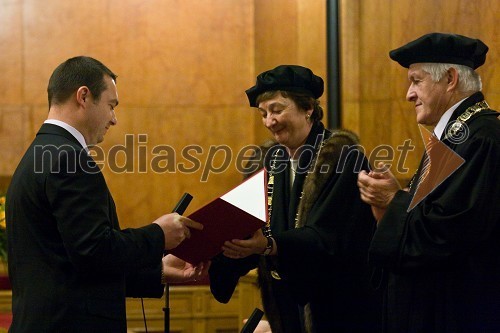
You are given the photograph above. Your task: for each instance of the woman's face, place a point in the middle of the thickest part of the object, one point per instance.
(289, 124)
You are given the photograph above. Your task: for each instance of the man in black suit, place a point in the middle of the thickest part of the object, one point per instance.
(70, 264)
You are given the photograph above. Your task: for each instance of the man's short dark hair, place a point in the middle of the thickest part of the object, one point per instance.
(75, 73)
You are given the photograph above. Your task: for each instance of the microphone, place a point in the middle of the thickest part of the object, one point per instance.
(253, 321)
(183, 203)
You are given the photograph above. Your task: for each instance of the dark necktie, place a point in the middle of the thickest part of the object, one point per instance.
(426, 165)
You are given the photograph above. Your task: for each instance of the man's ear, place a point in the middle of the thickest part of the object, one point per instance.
(82, 94)
(452, 78)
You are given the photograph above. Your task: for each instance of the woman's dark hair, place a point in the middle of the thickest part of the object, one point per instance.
(304, 101)
(75, 73)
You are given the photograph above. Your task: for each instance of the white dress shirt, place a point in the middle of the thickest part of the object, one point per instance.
(76, 134)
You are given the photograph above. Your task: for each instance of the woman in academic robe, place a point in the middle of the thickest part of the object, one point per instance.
(312, 256)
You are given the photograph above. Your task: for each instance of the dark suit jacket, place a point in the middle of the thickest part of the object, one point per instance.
(70, 265)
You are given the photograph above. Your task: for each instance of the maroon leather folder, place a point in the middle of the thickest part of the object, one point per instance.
(222, 221)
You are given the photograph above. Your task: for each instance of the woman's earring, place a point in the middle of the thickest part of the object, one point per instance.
(308, 116)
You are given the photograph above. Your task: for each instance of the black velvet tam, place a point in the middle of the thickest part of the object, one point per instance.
(442, 48)
(287, 78)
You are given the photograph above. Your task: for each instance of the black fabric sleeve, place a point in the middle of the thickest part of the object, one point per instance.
(225, 273)
(333, 245)
(454, 220)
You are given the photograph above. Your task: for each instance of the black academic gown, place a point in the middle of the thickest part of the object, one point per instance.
(322, 263)
(442, 259)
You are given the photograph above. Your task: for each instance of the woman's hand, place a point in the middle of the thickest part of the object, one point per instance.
(242, 248)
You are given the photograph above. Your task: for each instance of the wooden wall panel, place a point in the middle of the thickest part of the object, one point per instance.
(183, 66)
(289, 32)
(167, 132)
(276, 35)
(182, 84)
(312, 40)
(182, 69)
(15, 136)
(11, 46)
(374, 87)
(55, 31)
(14, 116)
(184, 52)
(276, 43)
(350, 64)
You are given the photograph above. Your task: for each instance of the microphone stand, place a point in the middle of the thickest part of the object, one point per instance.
(166, 310)
(179, 209)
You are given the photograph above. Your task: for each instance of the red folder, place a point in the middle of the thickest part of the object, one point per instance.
(235, 215)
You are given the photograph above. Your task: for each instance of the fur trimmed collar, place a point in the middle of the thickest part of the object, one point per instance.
(330, 152)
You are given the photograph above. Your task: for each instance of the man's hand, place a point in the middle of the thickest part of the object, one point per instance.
(177, 270)
(176, 228)
(377, 188)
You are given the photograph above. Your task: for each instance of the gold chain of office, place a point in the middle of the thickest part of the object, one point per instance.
(266, 230)
(459, 123)
(270, 187)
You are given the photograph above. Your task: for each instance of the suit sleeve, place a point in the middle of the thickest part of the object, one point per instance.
(86, 219)
(145, 282)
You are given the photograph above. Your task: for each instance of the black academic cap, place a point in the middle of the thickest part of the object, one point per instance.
(287, 78)
(442, 48)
